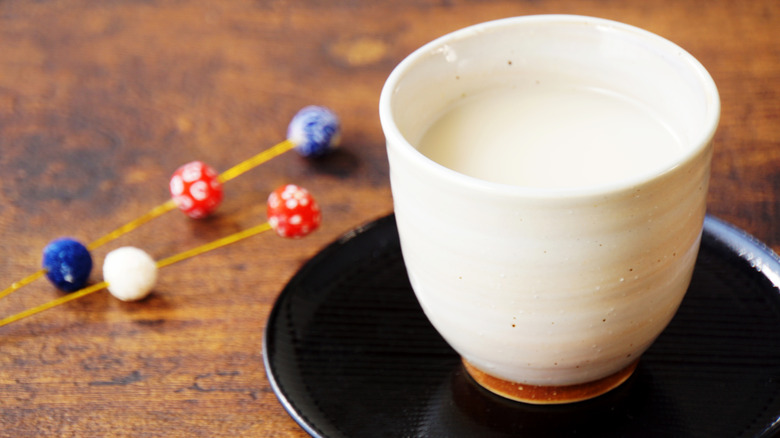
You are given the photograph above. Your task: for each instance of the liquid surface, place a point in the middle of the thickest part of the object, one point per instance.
(550, 137)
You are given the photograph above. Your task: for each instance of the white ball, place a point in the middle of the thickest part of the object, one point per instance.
(130, 273)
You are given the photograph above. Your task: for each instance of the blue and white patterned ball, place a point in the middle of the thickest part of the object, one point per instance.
(315, 131)
(67, 263)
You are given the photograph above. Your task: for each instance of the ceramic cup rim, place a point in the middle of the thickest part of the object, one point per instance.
(399, 143)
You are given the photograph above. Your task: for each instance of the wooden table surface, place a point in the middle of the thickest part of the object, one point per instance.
(101, 101)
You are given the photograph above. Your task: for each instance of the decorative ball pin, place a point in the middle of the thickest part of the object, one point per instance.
(315, 130)
(67, 264)
(196, 190)
(130, 274)
(292, 211)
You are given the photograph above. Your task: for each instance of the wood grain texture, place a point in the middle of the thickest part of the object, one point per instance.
(101, 101)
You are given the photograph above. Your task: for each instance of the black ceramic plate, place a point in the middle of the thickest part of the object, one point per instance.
(349, 353)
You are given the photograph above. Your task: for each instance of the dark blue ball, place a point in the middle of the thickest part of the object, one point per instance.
(67, 264)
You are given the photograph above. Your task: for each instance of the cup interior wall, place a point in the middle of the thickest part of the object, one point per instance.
(631, 63)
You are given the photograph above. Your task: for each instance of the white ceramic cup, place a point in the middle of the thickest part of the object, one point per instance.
(550, 295)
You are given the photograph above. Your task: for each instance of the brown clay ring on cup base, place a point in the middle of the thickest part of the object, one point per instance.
(548, 395)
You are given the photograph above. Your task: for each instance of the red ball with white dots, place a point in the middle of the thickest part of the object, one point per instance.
(196, 189)
(292, 211)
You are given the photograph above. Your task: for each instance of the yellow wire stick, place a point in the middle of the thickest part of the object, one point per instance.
(25, 281)
(257, 229)
(130, 226)
(158, 211)
(61, 300)
(257, 160)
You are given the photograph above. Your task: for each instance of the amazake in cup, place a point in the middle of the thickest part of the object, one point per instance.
(552, 275)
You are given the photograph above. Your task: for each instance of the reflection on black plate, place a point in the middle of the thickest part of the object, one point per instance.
(349, 353)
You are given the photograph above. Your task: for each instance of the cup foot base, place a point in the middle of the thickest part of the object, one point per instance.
(547, 395)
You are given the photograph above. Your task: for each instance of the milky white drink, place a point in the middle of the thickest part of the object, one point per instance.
(549, 178)
(550, 135)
